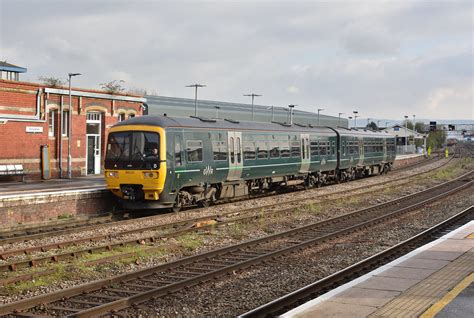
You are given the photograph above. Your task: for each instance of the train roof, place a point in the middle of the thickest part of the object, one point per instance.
(229, 124)
(363, 132)
(199, 122)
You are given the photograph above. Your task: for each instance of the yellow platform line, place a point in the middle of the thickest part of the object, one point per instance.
(470, 236)
(443, 302)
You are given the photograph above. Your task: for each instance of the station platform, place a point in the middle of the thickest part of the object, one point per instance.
(41, 186)
(434, 280)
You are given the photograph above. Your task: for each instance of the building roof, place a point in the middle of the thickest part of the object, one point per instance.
(4, 66)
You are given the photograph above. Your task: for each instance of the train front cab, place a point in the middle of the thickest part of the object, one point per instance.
(135, 164)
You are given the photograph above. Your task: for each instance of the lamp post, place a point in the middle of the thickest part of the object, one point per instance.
(406, 127)
(253, 95)
(291, 106)
(339, 120)
(378, 124)
(69, 159)
(319, 109)
(217, 111)
(355, 118)
(414, 123)
(350, 118)
(195, 96)
(368, 121)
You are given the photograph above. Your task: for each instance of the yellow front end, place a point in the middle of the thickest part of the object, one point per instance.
(152, 181)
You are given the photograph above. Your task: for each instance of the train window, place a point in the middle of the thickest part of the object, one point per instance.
(239, 151)
(314, 148)
(262, 150)
(249, 150)
(177, 151)
(295, 149)
(194, 150)
(285, 149)
(322, 148)
(219, 150)
(274, 150)
(231, 149)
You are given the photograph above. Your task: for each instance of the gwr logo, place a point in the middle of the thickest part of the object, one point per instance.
(208, 171)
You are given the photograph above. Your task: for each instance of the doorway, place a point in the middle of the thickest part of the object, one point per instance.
(93, 130)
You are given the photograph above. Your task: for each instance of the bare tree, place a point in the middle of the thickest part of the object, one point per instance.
(52, 81)
(113, 87)
(137, 91)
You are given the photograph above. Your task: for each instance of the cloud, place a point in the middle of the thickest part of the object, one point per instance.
(383, 58)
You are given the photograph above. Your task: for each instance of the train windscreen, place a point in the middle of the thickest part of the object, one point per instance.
(133, 150)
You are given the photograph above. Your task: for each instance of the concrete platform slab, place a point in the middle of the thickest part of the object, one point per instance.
(406, 287)
(388, 283)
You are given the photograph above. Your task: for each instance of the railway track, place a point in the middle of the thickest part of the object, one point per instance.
(111, 295)
(164, 230)
(25, 233)
(309, 292)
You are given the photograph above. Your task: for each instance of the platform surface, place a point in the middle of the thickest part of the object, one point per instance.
(9, 189)
(433, 280)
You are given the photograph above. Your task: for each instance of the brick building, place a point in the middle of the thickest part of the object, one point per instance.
(33, 115)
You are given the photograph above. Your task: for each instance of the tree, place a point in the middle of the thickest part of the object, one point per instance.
(436, 139)
(408, 124)
(372, 126)
(420, 127)
(113, 87)
(51, 81)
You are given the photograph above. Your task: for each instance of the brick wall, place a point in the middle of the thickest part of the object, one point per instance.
(19, 147)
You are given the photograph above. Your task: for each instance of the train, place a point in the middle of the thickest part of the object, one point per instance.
(161, 162)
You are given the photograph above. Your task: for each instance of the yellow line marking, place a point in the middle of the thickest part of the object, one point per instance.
(443, 302)
(471, 236)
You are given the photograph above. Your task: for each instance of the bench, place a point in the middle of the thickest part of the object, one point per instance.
(12, 170)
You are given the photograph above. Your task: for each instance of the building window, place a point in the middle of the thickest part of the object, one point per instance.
(52, 122)
(131, 116)
(65, 124)
(121, 117)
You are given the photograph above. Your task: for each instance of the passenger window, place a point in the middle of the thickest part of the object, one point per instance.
(295, 149)
(219, 150)
(194, 150)
(177, 151)
(274, 150)
(284, 149)
(262, 150)
(249, 150)
(314, 148)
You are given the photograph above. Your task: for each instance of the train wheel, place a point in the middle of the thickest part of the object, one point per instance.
(177, 206)
(204, 203)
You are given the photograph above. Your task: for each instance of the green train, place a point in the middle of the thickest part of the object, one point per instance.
(155, 162)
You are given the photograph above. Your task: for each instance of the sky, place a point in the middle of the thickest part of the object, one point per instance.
(385, 59)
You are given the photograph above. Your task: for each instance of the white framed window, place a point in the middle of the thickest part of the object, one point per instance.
(52, 122)
(65, 123)
(121, 117)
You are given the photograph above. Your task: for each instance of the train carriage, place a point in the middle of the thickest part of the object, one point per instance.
(162, 162)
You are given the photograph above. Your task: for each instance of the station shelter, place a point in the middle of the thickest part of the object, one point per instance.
(34, 127)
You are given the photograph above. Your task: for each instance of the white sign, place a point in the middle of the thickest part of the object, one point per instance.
(33, 129)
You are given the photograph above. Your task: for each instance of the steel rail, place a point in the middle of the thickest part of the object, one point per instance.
(309, 292)
(242, 258)
(4, 255)
(16, 235)
(180, 227)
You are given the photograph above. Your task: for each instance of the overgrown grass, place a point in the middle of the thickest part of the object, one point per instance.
(190, 241)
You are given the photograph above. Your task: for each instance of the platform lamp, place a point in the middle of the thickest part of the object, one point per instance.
(217, 111)
(69, 159)
(253, 95)
(291, 106)
(196, 96)
(319, 110)
(339, 120)
(350, 118)
(406, 127)
(355, 118)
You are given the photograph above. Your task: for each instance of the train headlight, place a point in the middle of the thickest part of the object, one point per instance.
(150, 175)
(112, 174)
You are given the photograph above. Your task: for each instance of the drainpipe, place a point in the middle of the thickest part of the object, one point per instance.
(60, 121)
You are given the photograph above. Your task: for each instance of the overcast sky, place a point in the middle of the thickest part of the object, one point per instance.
(384, 58)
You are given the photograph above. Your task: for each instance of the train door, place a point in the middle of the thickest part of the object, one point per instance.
(177, 163)
(384, 149)
(235, 155)
(305, 153)
(361, 151)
